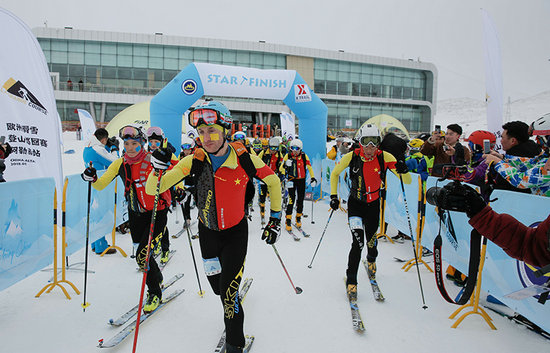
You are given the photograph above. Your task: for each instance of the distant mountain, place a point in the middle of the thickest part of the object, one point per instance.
(471, 114)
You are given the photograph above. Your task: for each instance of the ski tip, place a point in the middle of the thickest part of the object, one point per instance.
(100, 343)
(298, 290)
(84, 306)
(111, 321)
(424, 307)
(201, 294)
(308, 266)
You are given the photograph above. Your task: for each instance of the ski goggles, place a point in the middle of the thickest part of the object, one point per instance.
(186, 146)
(130, 132)
(295, 148)
(369, 140)
(207, 117)
(154, 131)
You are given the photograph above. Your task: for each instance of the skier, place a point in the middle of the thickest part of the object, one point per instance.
(294, 168)
(98, 153)
(272, 158)
(368, 166)
(185, 194)
(221, 171)
(133, 168)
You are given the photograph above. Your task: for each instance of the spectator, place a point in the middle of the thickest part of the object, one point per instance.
(445, 150)
(479, 164)
(69, 85)
(81, 85)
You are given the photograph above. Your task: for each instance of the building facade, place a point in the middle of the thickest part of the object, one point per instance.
(105, 72)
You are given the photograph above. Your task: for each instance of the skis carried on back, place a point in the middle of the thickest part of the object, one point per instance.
(127, 330)
(306, 235)
(127, 315)
(374, 285)
(220, 347)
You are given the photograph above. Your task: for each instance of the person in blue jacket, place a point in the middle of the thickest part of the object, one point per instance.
(101, 157)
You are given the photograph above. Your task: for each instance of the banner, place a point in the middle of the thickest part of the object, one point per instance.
(26, 228)
(288, 127)
(493, 78)
(87, 124)
(29, 118)
(76, 205)
(396, 214)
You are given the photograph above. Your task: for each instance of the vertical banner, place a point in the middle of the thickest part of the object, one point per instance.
(288, 127)
(26, 228)
(87, 124)
(493, 78)
(29, 118)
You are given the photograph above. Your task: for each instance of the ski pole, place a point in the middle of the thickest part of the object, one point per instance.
(201, 292)
(312, 221)
(298, 290)
(320, 240)
(424, 306)
(146, 264)
(84, 303)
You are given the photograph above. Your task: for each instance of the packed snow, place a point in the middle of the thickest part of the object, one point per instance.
(318, 320)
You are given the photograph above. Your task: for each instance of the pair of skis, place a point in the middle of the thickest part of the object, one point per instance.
(178, 234)
(296, 237)
(356, 320)
(220, 347)
(128, 329)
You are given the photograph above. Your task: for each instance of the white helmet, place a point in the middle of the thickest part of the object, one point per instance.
(368, 133)
(296, 145)
(274, 142)
(541, 129)
(186, 140)
(239, 135)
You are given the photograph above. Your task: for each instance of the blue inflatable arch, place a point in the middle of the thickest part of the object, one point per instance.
(199, 79)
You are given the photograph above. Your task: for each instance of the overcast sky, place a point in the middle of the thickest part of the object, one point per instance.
(447, 33)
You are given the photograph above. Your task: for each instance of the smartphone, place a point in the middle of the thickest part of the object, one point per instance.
(438, 129)
(2, 139)
(486, 146)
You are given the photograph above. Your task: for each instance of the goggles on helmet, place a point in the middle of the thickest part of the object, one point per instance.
(130, 132)
(369, 140)
(206, 116)
(295, 148)
(154, 132)
(186, 146)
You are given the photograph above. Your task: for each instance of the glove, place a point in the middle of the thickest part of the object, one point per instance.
(271, 230)
(5, 150)
(313, 182)
(161, 158)
(401, 167)
(474, 201)
(90, 174)
(179, 194)
(334, 202)
(288, 163)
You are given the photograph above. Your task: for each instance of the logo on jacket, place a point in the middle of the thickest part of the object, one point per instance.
(189, 87)
(18, 91)
(302, 93)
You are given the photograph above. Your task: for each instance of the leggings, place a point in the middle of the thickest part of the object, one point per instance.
(298, 190)
(224, 254)
(363, 222)
(140, 225)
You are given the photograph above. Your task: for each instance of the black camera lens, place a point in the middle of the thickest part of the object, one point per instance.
(432, 194)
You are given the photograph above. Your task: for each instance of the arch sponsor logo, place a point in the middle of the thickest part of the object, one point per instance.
(302, 93)
(189, 87)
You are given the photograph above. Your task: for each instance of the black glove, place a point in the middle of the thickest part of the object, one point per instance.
(161, 158)
(5, 150)
(313, 182)
(272, 230)
(334, 202)
(474, 201)
(401, 167)
(90, 174)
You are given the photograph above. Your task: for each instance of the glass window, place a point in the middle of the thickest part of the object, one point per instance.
(375, 90)
(59, 57)
(140, 74)
(200, 55)
(215, 56)
(108, 60)
(319, 86)
(77, 46)
(332, 65)
(60, 45)
(169, 75)
(365, 89)
(229, 57)
(92, 47)
(124, 49)
(45, 44)
(183, 63)
(366, 68)
(377, 79)
(186, 53)
(156, 51)
(141, 61)
(281, 61)
(331, 87)
(243, 58)
(377, 70)
(343, 88)
(319, 74)
(319, 64)
(76, 71)
(141, 50)
(407, 93)
(344, 66)
(343, 76)
(355, 77)
(256, 59)
(387, 80)
(355, 89)
(93, 74)
(108, 72)
(270, 59)
(124, 73)
(171, 52)
(170, 64)
(155, 63)
(61, 68)
(332, 75)
(124, 60)
(76, 58)
(108, 48)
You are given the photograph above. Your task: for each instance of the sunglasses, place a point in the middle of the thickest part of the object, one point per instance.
(369, 140)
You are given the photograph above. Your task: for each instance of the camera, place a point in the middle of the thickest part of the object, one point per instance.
(450, 197)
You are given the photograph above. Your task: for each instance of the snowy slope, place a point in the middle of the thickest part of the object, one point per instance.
(318, 320)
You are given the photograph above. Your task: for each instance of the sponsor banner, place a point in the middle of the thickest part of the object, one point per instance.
(76, 205)
(29, 118)
(395, 203)
(301, 93)
(288, 127)
(236, 81)
(26, 228)
(87, 124)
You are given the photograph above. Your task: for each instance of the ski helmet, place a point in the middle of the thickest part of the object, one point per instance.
(257, 144)
(475, 140)
(296, 145)
(199, 115)
(132, 131)
(368, 133)
(187, 143)
(541, 129)
(239, 136)
(155, 133)
(416, 143)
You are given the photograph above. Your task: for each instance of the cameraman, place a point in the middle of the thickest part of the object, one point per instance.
(5, 150)
(445, 149)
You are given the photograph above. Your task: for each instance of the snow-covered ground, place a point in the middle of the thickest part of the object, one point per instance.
(318, 320)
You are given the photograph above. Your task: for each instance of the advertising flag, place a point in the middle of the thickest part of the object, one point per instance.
(87, 124)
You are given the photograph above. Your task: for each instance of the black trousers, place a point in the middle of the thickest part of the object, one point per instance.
(224, 254)
(296, 194)
(368, 216)
(140, 225)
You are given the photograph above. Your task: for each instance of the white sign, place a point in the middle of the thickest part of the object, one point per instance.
(236, 81)
(349, 122)
(29, 118)
(288, 128)
(87, 124)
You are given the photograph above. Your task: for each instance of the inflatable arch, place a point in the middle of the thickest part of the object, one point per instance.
(199, 79)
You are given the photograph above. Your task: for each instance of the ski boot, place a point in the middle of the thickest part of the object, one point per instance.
(152, 302)
(299, 220)
(352, 291)
(288, 223)
(262, 213)
(164, 257)
(371, 270)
